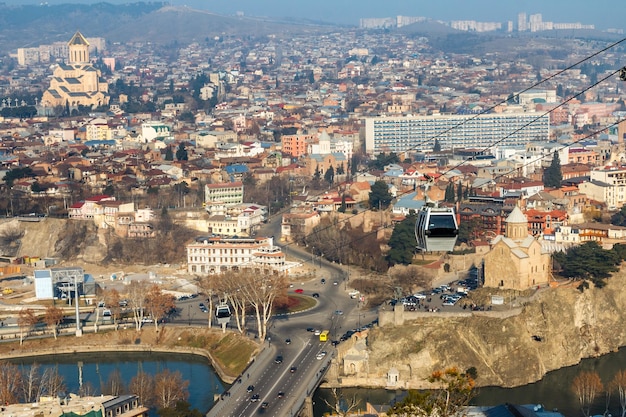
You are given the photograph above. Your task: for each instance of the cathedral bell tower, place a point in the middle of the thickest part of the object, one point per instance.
(79, 49)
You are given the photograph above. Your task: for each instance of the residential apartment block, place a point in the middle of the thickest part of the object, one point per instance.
(218, 197)
(607, 185)
(418, 133)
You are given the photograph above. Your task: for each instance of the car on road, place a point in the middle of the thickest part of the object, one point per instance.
(279, 359)
(335, 283)
(323, 281)
(250, 388)
(293, 369)
(315, 295)
(334, 342)
(265, 404)
(317, 332)
(255, 398)
(288, 341)
(298, 290)
(320, 355)
(281, 394)
(338, 312)
(310, 329)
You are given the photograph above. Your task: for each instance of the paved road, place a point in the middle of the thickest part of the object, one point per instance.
(335, 311)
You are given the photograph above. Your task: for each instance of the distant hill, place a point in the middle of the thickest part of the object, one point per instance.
(30, 25)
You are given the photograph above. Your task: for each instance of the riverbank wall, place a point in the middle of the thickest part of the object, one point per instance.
(174, 339)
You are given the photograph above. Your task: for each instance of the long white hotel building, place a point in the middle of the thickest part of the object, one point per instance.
(418, 133)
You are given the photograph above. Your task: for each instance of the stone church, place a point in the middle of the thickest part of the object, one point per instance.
(76, 82)
(516, 260)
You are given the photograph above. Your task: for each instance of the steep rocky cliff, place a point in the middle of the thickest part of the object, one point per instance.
(55, 238)
(559, 327)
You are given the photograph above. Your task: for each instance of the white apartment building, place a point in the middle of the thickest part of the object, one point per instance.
(418, 133)
(608, 185)
(215, 255)
(219, 197)
(240, 220)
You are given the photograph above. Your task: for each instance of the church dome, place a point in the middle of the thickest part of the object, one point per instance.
(516, 216)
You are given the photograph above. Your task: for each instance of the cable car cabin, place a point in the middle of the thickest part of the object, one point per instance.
(436, 229)
(222, 311)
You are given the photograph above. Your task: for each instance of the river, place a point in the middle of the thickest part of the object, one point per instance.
(97, 367)
(553, 391)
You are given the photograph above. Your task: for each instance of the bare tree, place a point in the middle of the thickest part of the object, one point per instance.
(142, 385)
(158, 304)
(260, 287)
(10, 383)
(112, 300)
(31, 383)
(341, 406)
(87, 389)
(208, 287)
(99, 300)
(53, 317)
(169, 388)
(586, 386)
(114, 384)
(26, 319)
(619, 384)
(52, 382)
(136, 301)
(230, 285)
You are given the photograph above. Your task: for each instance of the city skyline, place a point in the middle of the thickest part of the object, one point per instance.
(349, 12)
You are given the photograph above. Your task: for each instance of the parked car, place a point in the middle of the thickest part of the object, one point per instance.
(293, 369)
(279, 359)
(315, 295)
(250, 388)
(255, 398)
(298, 291)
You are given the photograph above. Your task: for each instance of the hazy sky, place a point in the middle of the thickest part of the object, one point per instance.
(601, 13)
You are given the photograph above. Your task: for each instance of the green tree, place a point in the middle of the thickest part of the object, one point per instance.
(380, 197)
(181, 409)
(619, 218)
(459, 192)
(181, 153)
(448, 197)
(588, 262)
(437, 146)
(552, 176)
(383, 159)
(469, 230)
(169, 155)
(354, 165)
(454, 391)
(343, 207)
(329, 175)
(17, 173)
(402, 242)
